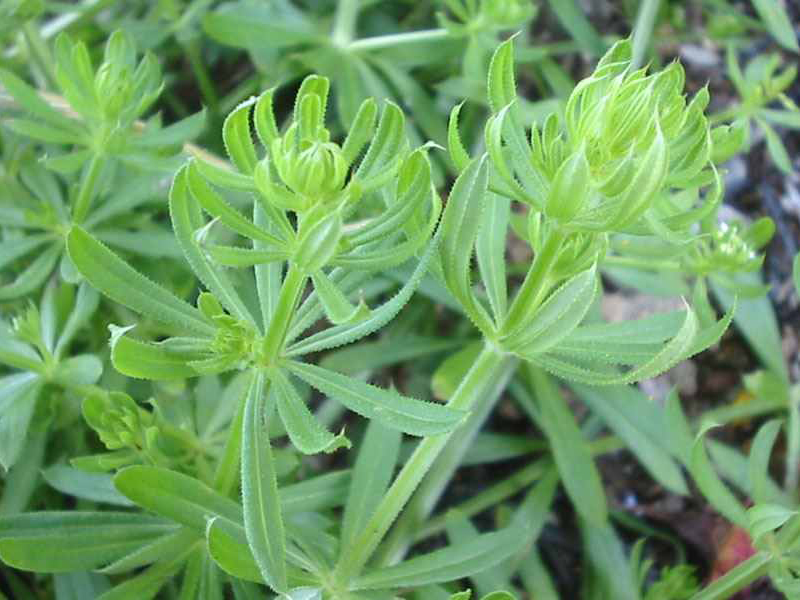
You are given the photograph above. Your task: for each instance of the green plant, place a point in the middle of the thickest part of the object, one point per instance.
(255, 401)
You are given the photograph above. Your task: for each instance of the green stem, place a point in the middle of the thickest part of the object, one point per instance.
(643, 30)
(506, 488)
(534, 287)
(793, 442)
(344, 24)
(293, 285)
(736, 579)
(441, 472)
(381, 42)
(483, 372)
(207, 89)
(86, 192)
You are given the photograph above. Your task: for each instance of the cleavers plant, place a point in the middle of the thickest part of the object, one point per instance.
(298, 242)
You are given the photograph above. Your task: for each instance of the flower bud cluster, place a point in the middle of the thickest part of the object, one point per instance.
(629, 138)
(122, 88)
(730, 248)
(120, 422)
(312, 167)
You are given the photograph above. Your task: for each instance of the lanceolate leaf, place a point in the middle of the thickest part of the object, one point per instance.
(33, 275)
(455, 147)
(386, 146)
(345, 334)
(372, 474)
(451, 563)
(17, 405)
(570, 450)
(53, 542)
(712, 487)
(678, 348)
(176, 496)
(237, 137)
(217, 207)
(120, 282)
(640, 422)
(262, 511)
(412, 416)
(490, 250)
(558, 316)
(306, 433)
(143, 360)
(186, 219)
(758, 463)
(227, 545)
(460, 224)
(777, 22)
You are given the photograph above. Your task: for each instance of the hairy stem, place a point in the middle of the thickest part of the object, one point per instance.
(291, 290)
(486, 369)
(535, 286)
(432, 487)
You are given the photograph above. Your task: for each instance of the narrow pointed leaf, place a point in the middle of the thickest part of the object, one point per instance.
(120, 282)
(186, 219)
(490, 249)
(451, 563)
(379, 317)
(227, 545)
(570, 449)
(337, 307)
(143, 360)
(377, 456)
(412, 416)
(175, 496)
(307, 434)
(262, 511)
(39, 541)
(237, 138)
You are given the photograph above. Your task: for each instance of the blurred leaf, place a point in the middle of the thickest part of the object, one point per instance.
(53, 542)
(571, 16)
(777, 22)
(570, 451)
(97, 487)
(764, 518)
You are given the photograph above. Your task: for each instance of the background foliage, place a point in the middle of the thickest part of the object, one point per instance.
(367, 299)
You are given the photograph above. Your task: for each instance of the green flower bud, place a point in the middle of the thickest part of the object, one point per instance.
(730, 248)
(629, 139)
(311, 168)
(118, 420)
(233, 341)
(571, 188)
